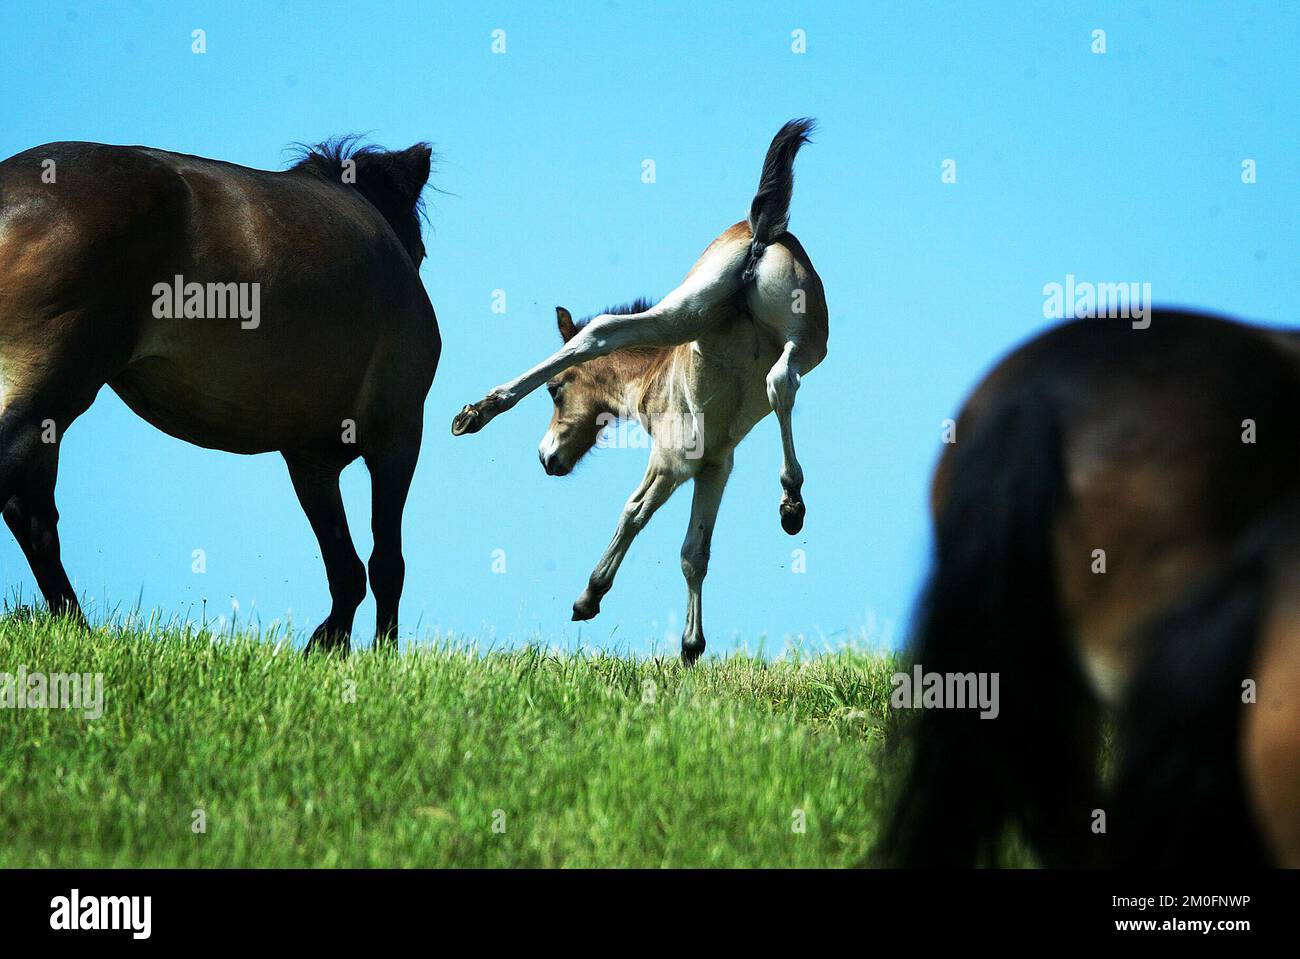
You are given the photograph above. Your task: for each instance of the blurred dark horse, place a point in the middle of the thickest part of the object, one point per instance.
(1098, 472)
(237, 309)
(1209, 731)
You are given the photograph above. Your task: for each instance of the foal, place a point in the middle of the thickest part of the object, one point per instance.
(698, 369)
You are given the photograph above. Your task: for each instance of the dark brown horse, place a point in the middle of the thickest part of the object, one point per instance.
(1209, 731)
(237, 309)
(1098, 471)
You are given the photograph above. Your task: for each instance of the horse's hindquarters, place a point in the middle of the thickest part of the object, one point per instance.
(1271, 733)
(1164, 472)
(787, 301)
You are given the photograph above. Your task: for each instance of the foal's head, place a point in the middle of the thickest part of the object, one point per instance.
(592, 395)
(582, 408)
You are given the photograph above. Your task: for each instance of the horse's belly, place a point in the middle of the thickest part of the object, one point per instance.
(236, 411)
(287, 383)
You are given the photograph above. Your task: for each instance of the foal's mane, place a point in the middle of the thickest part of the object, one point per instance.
(632, 362)
(639, 305)
(380, 174)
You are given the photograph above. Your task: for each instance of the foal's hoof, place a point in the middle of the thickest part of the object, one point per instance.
(585, 607)
(477, 415)
(792, 516)
(468, 420)
(692, 650)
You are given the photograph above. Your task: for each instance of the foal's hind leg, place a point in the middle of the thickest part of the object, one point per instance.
(782, 385)
(317, 484)
(658, 484)
(789, 302)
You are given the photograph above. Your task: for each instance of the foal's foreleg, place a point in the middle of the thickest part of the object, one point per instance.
(782, 385)
(709, 484)
(661, 325)
(653, 492)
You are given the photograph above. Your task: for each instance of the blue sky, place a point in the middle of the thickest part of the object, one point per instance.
(1122, 166)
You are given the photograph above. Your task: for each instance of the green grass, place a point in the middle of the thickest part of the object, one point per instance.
(591, 760)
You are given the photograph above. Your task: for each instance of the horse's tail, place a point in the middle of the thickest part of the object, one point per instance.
(991, 609)
(769, 212)
(1180, 796)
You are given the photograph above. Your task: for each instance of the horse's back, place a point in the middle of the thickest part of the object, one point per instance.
(98, 258)
(1097, 369)
(1174, 437)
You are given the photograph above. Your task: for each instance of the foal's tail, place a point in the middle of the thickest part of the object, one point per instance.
(769, 213)
(991, 607)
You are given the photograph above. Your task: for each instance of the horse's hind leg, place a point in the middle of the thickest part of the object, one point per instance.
(390, 481)
(789, 302)
(317, 484)
(30, 470)
(782, 385)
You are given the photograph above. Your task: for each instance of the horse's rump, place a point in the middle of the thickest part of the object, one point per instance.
(1172, 440)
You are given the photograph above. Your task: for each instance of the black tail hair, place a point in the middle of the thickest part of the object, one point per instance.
(991, 606)
(1180, 798)
(769, 212)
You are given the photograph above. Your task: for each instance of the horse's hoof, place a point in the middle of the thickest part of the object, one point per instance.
(467, 420)
(585, 607)
(792, 516)
(324, 641)
(339, 650)
(692, 650)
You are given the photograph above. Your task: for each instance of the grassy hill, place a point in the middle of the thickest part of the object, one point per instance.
(436, 756)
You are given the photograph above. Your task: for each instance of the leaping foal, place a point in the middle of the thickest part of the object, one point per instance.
(697, 370)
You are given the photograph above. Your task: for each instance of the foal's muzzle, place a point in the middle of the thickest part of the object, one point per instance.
(552, 464)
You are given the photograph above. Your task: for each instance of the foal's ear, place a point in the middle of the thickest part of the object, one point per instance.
(568, 329)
